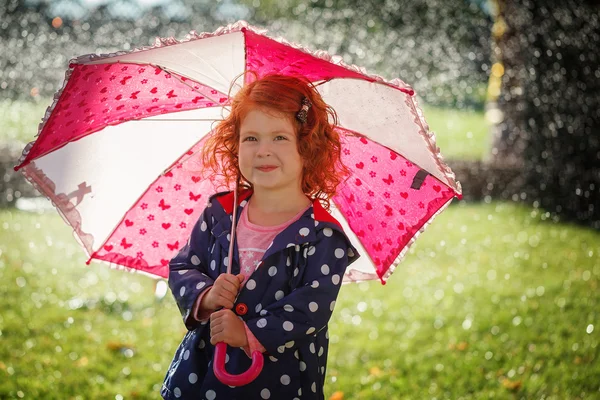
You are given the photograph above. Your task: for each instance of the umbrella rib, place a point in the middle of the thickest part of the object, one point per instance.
(207, 64)
(176, 74)
(204, 63)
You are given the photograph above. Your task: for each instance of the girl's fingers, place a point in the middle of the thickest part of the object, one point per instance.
(217, 316)
(229, 278)
(229, 290)
(218, 325)
(240, 278)
(225, 301)
(222, 301)
(229, 285)
(216, 339)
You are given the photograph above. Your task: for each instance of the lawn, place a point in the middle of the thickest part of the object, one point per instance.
(460, 134)
(493, 301)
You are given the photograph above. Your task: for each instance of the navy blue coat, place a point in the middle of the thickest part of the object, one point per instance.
(289, 298)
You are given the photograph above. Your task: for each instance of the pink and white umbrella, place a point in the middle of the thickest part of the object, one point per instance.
(117, 151)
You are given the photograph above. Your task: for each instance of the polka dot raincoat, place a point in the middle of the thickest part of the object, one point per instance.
(286, 307)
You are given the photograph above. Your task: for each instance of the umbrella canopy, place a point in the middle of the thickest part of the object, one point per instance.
(117, 152)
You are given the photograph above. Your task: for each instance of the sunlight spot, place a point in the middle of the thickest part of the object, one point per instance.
(458, 287)
(467, 324)
(540, 291)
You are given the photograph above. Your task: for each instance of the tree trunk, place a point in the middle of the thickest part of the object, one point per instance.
(550, 103)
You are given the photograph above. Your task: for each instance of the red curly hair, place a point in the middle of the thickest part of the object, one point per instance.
(319, 144)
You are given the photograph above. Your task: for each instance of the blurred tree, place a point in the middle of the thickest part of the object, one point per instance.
(38, 37)
(441, 48)
(549, 53)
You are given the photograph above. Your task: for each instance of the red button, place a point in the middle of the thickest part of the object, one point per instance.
(241, 309)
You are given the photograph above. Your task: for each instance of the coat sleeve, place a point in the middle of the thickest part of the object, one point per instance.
(188, 277)
(308, 308)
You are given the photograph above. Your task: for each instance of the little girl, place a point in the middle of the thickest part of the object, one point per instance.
(289, 253)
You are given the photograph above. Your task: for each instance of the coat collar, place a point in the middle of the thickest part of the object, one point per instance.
(303, 230)
(226, 201)
(298, 233)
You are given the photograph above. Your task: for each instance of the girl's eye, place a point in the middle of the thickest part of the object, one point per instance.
(249, 139)
(280, 137)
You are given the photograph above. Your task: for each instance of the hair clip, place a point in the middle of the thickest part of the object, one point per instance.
(302, 115)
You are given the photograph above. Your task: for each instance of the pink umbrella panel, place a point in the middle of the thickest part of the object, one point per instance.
(117, 152)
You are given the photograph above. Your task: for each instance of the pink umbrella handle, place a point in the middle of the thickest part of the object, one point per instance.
(236, 380)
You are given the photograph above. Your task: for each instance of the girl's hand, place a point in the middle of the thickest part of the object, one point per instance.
(222, 293)
(227, 327)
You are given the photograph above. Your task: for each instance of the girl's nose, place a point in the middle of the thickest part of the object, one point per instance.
(264, 149)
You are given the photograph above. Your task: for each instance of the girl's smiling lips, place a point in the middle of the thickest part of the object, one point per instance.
(266, 168)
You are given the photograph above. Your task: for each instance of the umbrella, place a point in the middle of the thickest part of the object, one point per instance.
(116, 151)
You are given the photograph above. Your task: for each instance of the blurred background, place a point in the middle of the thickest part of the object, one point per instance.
(498, 298)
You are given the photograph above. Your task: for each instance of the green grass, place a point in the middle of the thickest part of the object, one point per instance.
(460, 134)
(493, 301)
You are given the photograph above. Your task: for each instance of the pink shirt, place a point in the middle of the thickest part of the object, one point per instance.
(253, 241)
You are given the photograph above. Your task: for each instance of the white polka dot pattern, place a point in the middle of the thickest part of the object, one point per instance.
(335, 279)
(288, 326)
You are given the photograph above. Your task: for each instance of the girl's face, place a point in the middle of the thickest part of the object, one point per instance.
(268, 152)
